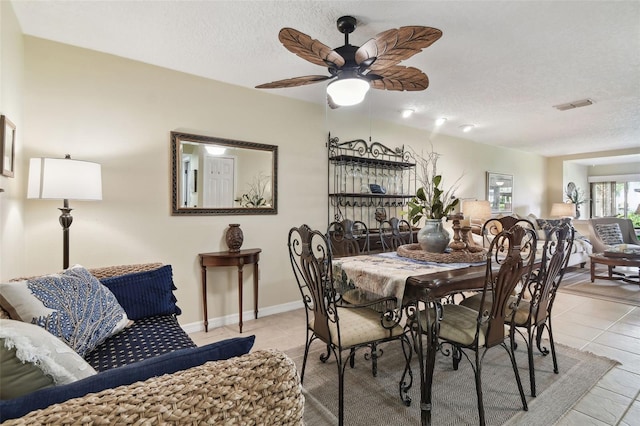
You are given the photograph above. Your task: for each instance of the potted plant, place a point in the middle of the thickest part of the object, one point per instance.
(432, 203)
(576, 196)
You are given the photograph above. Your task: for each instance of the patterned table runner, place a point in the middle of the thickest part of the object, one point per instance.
(384, 274)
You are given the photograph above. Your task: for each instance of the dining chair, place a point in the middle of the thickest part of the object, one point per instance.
(508, 260)
(348, 238)
(341, 327)
(534, 302)
(495, 225)
(395, 232)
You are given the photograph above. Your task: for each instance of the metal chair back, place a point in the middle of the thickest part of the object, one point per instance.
(348, 238)
(395, 232)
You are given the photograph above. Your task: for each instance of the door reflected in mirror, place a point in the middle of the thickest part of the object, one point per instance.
(215, 176)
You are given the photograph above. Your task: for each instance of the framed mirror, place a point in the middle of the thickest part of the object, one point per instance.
(500, 192)
(215, 176)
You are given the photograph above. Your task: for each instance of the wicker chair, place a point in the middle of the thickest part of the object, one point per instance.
(260, 388)
(341, 327)
(509, 260)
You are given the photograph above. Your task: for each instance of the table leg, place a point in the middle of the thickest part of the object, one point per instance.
(593, 270)
(240, 280)
(255, 290)
(204, 298)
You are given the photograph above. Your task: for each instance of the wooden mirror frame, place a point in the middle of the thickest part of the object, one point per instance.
(178, 137)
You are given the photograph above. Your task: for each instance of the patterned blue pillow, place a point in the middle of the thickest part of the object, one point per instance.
(73, 306)
(547, 225)
(610, 233)
(145, 294)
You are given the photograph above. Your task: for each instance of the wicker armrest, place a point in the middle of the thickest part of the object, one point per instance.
(259, 388)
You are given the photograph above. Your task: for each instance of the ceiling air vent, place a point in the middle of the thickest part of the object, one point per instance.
(574, 104)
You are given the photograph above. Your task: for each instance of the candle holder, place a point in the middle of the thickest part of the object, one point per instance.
(458, 242)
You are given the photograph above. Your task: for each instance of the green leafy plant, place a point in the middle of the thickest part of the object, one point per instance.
(256, 192)
(576, 196)
(635, 219)
(431, 201)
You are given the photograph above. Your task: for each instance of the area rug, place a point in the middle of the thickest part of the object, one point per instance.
(578, 281)
(375, 401)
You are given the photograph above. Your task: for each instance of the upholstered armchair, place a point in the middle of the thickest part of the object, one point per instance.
(608, 232)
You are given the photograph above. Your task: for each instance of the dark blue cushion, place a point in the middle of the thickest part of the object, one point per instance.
(164, 364)
(146, 338)
(145, 294)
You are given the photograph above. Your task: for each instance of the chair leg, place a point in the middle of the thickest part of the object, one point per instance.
(517, 374)
(352, 358)
(478, 377)
(532, 374)
(325, 357)
(340, 389)
(304, 359)
(456, 356)
(553, 346)
(406, 382)
(374, 359)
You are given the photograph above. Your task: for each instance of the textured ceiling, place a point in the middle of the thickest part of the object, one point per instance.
(499, 65)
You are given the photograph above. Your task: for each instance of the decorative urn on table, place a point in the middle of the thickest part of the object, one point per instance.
(234, 237)
(433, 204)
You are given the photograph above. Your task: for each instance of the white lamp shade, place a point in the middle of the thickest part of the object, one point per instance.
(348, 91)
(480, 209)
(563, 210)
(64, 178)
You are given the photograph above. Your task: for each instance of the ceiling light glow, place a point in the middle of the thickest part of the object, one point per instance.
(348, 91)
(440, 121)
(467, 127)
(407, 113)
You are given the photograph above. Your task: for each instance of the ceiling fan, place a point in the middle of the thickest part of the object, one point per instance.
(354, 69)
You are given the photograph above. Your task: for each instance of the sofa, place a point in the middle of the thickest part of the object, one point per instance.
(612, 233)
(580, 250)
(103, 346)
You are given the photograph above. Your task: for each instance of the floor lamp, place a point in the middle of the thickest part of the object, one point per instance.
(64, 179)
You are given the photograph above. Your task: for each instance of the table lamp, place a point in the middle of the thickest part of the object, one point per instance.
(64, 179)
(563, 210)
(480, 210)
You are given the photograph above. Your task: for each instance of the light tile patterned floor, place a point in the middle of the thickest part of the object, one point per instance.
(604, 328)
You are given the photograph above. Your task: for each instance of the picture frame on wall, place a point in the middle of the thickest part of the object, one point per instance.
(500, 192)
(7, 146)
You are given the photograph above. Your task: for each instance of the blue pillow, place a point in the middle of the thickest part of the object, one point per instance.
(145, 294)
(164, 364)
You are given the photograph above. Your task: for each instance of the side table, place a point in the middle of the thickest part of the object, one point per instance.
(226, 258)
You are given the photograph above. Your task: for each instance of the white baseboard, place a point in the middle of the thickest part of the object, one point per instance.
(235, 318)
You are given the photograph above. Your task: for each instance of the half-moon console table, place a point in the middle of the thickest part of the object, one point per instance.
(227, 258)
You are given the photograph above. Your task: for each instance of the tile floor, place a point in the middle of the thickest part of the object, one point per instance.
(604, 328)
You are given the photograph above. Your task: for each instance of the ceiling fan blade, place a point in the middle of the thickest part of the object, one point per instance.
(309, 49)
(293, 82)
(395, 45)
(401, 78)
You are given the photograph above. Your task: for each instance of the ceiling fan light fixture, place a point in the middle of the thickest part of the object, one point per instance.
(348, 91)
(440, 121)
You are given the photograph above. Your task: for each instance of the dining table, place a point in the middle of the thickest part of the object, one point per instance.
(413, 282)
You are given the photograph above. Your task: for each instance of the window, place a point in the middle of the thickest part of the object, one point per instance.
(616, 199)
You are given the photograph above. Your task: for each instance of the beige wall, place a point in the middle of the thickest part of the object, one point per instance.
(119, 112)
(615, 169)
(556, 182)
(12, 248)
